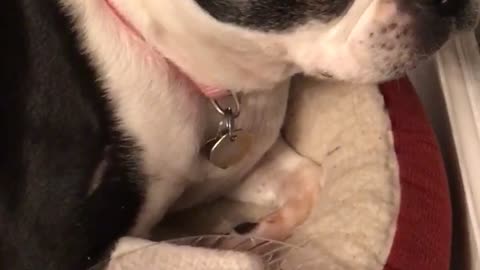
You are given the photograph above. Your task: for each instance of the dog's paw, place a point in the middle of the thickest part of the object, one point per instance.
(277, 226)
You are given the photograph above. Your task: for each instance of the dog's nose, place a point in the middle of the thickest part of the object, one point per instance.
(463, 13)
(450, 8)
(445, 8)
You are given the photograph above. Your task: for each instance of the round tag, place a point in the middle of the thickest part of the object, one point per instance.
(227, 150)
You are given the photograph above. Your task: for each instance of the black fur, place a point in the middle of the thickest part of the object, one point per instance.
(55, 127)
(281, 15)
(274, 15)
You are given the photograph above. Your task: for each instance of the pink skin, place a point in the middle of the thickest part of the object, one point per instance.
(299, 190)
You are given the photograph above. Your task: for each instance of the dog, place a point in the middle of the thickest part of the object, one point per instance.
(117, 112)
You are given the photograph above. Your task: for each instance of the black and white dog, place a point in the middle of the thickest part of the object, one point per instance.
(105, 107)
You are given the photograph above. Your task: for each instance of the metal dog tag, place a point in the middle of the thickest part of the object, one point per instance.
(230, 145)
(228, 149)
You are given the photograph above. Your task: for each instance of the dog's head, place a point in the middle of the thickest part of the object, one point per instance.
(253, 44)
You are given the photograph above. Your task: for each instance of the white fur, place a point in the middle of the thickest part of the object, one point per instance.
(232, 57)
(247, 60)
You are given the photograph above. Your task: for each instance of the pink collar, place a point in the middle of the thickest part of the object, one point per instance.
(208, 91)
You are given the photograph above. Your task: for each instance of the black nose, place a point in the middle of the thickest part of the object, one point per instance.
(450, 8)
(445, 8)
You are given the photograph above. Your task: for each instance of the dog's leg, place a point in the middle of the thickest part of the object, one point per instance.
(285, 181)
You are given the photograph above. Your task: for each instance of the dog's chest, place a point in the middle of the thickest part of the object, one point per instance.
(170, 121)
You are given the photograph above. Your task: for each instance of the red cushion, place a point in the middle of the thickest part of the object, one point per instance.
(423, 237)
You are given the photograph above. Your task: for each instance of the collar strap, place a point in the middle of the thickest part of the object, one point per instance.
(208, 91)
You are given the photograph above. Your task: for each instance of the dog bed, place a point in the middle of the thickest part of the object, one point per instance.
(384, 202)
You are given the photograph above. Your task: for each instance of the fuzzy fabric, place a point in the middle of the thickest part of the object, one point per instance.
(359, 222)
(346, 128)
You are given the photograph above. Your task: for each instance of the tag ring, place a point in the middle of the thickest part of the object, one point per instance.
(235, 112)
(229, 123)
